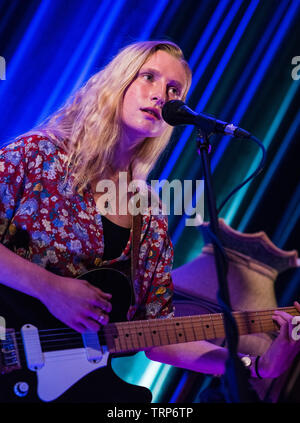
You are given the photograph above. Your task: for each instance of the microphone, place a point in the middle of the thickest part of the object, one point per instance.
(176, 112)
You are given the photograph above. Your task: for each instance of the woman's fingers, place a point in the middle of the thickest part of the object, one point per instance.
(102, 300)
(102, 304)
(285, 322)
(98, 315)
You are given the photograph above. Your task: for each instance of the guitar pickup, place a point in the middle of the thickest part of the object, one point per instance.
(9, 353)
(32, 347)
(93, 350)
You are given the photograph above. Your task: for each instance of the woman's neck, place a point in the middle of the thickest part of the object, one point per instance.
(125, 151)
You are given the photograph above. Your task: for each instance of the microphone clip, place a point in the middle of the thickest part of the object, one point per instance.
(202, 140)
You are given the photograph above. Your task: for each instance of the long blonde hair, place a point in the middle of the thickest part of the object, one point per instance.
(88, 124)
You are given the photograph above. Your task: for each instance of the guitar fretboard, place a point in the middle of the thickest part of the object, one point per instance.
(139, 335)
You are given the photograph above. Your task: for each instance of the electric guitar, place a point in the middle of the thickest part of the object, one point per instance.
(43, 361)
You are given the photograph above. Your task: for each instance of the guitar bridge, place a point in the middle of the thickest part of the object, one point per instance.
(9, 353)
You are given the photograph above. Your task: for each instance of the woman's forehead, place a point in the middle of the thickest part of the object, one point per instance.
(167, 65)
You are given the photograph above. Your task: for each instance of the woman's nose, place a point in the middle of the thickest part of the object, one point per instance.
(158, 96)
(158, 99)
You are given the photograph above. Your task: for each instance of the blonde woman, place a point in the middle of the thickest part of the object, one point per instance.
(52, 230)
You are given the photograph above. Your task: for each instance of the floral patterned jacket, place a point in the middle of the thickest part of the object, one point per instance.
(42, 220)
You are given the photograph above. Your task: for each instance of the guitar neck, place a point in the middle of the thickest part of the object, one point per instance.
(140, 335)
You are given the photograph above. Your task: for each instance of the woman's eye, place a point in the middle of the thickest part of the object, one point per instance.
(174, 91)
(148, 76)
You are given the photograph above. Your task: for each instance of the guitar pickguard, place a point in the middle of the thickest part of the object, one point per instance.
(62, 369)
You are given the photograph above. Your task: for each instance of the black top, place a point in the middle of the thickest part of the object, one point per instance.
(115, 239)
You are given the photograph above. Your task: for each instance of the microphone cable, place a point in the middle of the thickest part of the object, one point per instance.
(253, 174)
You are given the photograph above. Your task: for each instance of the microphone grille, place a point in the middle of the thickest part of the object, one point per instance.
(170, 112)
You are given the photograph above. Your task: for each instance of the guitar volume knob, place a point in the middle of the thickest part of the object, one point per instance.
(21, 389)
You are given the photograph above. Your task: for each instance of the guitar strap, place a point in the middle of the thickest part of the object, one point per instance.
(136, 237)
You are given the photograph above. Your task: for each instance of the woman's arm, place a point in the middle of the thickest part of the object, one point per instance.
(204, 357)
(199, 356)
(73, 301)
(22, 275)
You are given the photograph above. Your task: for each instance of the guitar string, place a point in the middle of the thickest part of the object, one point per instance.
(136, 328)
(146, 325)
(103, 336)
(129, 346)
(212, 321)
(80, 352)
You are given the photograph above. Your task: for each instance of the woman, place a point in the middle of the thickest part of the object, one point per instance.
(112, 124)
(51, 230)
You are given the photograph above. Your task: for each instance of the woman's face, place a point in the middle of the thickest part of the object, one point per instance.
(160, 79)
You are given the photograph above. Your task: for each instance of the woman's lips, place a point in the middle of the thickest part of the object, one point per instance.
(152, 112)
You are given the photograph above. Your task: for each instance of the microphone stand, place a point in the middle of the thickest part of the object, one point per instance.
(236, 375)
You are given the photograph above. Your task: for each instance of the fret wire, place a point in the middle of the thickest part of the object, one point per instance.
(213, 325)
(118, 340)
(141, 338)
(148, 336)
(260, 323)
(189, 333)
(124, 338)
(143, 342)
(159, 337)
(136, 338)
(178, 331)
(163, 337)
(150, 332)
(192, 333)
(185, 331)
(153, 335)
(143, 334)
(195, 337)
(173, 332)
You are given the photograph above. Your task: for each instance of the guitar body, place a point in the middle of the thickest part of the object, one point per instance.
(66, 375)
(42, 361)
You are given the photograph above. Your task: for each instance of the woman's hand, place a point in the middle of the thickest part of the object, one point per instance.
(76, 303)
(281, 353)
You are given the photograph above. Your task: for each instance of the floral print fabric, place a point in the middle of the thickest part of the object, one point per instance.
(42, 220)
